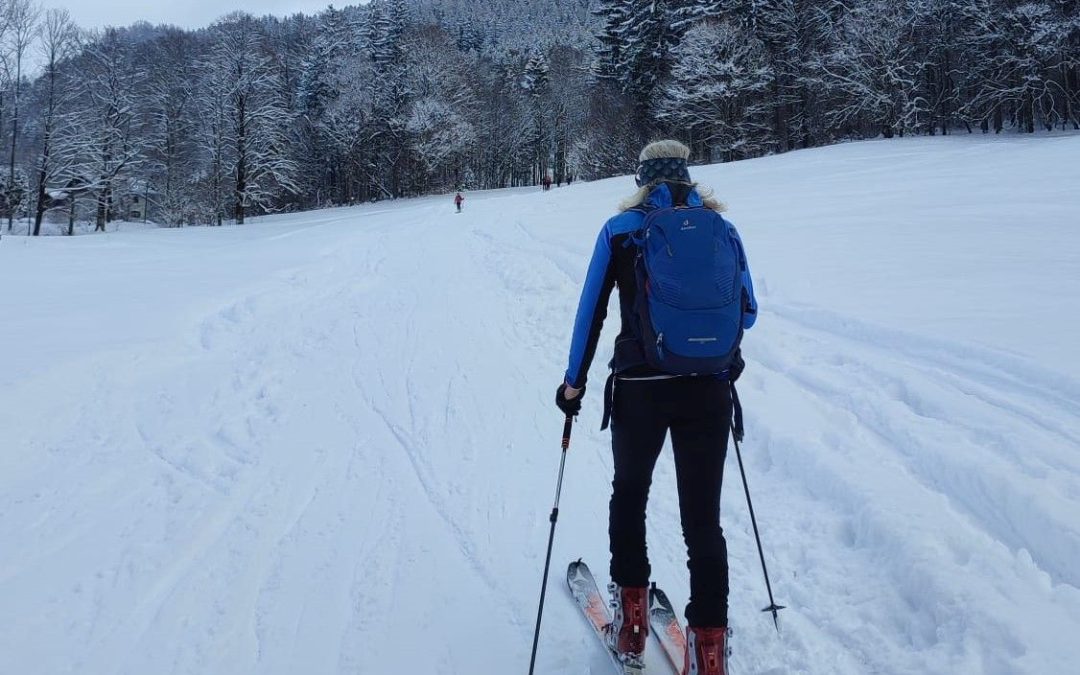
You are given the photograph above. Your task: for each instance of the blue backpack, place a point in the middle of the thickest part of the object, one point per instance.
(690, 290)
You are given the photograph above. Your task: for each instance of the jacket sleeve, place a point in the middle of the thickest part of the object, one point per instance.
(750, 314)
(592, 310)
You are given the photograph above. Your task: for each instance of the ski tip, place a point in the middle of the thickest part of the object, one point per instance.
(578, 568)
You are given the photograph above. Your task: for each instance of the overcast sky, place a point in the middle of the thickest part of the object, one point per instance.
(185, 13)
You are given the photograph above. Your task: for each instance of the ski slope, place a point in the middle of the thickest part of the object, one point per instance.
(325, 443)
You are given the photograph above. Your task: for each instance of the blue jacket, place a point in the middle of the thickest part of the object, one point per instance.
(612, 266)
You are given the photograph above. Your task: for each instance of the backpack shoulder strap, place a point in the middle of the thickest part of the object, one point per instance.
(637, 237)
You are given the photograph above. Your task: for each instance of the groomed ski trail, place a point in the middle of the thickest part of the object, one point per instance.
(305, 444)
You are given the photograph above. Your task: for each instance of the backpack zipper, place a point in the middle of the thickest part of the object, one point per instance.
(660, 346)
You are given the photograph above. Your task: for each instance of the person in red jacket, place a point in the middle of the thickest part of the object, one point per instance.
(458, 201)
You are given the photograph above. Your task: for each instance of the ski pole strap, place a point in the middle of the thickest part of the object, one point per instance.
(737, 429)
(609, 400)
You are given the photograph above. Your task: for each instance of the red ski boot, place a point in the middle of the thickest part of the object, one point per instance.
(628, 631)
(707, 651)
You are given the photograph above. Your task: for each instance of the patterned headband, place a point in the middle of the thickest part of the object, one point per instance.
(666, 168)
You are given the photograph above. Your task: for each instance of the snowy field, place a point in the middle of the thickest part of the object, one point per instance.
(326, 443)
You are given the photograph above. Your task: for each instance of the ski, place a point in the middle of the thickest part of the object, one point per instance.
(591, 601)
(665, 625)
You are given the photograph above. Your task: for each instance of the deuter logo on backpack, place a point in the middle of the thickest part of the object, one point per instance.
(690, 291)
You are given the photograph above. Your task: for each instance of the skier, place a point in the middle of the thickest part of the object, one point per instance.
(547, 182)
(459, 199)
(646, 397)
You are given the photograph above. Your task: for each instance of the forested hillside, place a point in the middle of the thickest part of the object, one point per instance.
(405, 97)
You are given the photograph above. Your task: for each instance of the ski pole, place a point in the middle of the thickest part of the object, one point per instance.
(567, 428)
(773, 607)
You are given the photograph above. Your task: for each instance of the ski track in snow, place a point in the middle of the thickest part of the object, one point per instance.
(324, 443)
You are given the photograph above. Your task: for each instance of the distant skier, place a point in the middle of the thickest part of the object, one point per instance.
(673, 370)
(547, 182)
(459, 199)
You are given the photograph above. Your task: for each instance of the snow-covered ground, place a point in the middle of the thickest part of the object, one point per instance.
(325, 443)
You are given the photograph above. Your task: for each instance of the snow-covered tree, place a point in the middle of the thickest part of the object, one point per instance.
(501, 30)
(257, 119)
(388, 52)
(389, 21)
(336, 45)
(1018, 50)
(59, 42)
(612, 40)
(537, 84)
(106, 138)
(939, 28)
(685, 14)
(172, 124)
(649, 38)
(568, 76)
(717, 93)
(874, 70)
(14, 192)
(439, 129)
(20, 19)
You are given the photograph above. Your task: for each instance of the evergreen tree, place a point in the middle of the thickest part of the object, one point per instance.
(649, 37)
(388, 50)
(612, 40)
(685, 14)
(537, 83)
(388, 23)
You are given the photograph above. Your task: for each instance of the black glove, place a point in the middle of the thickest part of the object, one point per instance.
(736, 367)
(570, 407)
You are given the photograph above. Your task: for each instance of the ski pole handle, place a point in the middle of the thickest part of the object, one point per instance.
(567, 428)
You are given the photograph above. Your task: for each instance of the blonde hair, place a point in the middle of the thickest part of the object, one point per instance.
(662, 150)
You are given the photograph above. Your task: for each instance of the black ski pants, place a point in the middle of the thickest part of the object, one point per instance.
(697, 411)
